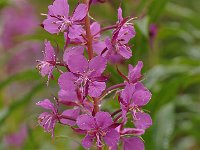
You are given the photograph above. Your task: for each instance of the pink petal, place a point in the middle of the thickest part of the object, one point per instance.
(49, 54)
(66, 81)
(78, 64)
(126, 33)
(67, 96)
(46, 69)
(103, 119)
(98, 47)
(73, 113)
(112, 137)
(133, 143)
(87, 141)
(86, 122)
(120, 18)
(96, 88)
(125, 51)
(142, 120)
(80, 12)
(127, 93)
(97, 65)
(134, 73)
(59, 7)
(133, 131)
(141, 96)
(95, 28)
(77, 50)
(75, 31)
(50, 26)
(46, 104)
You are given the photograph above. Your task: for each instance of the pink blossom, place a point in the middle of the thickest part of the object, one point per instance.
(58, 19)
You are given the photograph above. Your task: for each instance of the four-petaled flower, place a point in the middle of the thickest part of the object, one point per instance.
(118, 45)
(58, 19)
(100, 127)
(48, 63)
(132, 98)
(85, 76)
(48, 120)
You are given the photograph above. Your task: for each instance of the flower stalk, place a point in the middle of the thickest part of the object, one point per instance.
(88, 33)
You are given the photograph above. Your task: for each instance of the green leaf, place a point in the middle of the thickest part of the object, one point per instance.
(19, 102)
(164, 126)
(156, 8)
(23, 76)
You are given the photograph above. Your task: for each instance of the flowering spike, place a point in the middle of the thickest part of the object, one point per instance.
(83, 84)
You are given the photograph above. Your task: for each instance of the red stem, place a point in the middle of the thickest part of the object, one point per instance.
(66, 117)
(118, 117)
(88, 33)
(105, 29)
(110, 89)
(116, 112)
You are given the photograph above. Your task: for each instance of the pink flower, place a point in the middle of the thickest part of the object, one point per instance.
(48, 63)
(48, 120)
(99, 128)
(58, 19)
(97, 45)
(132, 98)
(118, 45)
(85, 75)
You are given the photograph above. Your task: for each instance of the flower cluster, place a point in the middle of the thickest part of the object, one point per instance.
(83, 85)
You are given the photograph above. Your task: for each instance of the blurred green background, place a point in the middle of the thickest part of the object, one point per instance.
(171, 55)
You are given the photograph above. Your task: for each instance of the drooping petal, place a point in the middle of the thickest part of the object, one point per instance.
(75, 31)
(135, 72)
(50, 26)
(112, 137)
(66, 81)
(97, 65)
(59, 7)
(96, 88)
(78, 64)
(77, 50)
(142, 120)
(67, 96)
(46, 104)
(86, 122)
(133, 143)
(49, 53)
(125, 51)
(47, 121)
(141, 96)
(103, 119)
(87, 141)
(80, 12)
(72, 113)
